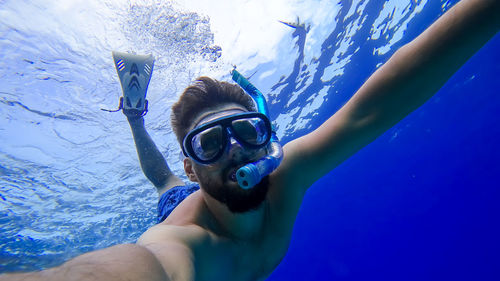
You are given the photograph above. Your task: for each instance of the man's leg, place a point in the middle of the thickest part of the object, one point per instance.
(153, 163)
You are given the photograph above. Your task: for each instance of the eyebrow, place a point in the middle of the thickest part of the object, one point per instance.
(215, 113)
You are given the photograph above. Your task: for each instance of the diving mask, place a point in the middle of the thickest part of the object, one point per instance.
(206, 143)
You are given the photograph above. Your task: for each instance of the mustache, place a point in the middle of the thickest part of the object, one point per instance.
(240, 163)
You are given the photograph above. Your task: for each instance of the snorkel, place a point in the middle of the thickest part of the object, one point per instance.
(251, 174)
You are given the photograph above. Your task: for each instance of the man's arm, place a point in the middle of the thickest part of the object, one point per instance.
(121, 262)
(153, 164)
(410, 77)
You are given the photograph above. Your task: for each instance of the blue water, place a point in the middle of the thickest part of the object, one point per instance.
(419, 203)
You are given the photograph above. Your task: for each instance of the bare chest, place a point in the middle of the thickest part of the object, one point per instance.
(217, 257)
(241, 261)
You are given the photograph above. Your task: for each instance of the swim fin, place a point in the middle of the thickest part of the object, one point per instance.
(135, 73)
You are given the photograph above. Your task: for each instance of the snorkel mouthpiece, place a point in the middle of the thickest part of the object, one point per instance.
(248, 176)
(251, 174)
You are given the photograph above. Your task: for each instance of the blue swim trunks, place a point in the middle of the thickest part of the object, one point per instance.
(173, 197)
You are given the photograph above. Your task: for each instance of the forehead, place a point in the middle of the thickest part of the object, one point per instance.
(218, 112)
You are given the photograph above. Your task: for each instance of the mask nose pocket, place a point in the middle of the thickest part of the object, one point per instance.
(234, 147)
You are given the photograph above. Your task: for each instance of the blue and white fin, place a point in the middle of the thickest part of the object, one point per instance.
(135, 73)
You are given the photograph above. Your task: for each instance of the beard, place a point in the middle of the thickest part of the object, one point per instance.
(237, 199)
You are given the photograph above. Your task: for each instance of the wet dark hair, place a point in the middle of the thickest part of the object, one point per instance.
(205, 93)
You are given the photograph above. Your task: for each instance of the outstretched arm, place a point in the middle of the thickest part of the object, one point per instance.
(121, 262)
(153, 164)
(411, 76)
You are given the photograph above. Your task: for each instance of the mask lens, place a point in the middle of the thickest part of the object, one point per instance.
(208, 143)
(251, 130)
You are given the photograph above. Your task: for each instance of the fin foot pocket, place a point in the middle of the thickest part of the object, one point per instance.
(132, 112)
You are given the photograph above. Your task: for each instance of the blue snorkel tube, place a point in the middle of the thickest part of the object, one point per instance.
(251, 174)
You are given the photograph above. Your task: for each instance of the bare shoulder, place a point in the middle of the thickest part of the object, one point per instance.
(173, 233)
(173, 246)
(286, 190)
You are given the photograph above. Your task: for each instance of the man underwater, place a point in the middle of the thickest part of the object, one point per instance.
(223, 232)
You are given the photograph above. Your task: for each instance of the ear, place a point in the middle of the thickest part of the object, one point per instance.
(188, 168)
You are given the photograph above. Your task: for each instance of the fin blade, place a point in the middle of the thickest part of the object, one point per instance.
(134, 72)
